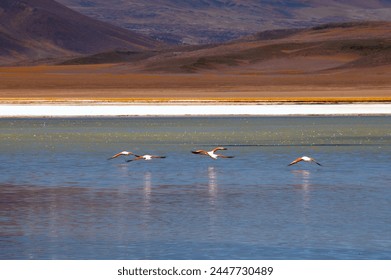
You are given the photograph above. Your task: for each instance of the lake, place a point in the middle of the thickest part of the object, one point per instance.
(60, 198)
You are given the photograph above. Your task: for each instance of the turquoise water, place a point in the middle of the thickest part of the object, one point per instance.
(60, 198)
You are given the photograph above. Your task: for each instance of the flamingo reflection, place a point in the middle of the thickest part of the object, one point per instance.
(147, 189)
(212, 183)
(305, 185)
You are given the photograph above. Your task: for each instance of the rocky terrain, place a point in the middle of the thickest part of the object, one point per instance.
(324, 47)
(44, 29)
(210, 21)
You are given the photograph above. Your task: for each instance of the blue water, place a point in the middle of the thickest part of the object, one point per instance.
(60, 198)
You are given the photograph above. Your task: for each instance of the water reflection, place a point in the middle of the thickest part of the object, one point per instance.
(305, 185)
(123, 169)
(68, 202)
(304, 176)
(212, 183)
(147, 191)
(213, 207)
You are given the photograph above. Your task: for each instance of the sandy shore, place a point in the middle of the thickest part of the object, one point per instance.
(75, 110)
(109, 90)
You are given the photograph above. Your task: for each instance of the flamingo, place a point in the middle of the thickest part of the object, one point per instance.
(145, 157)
(304, 158)
(212, 153)
(123, 153)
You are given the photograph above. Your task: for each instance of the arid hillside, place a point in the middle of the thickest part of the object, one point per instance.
(44, 29)
(291, 51)
(327, 63)
(215, 21)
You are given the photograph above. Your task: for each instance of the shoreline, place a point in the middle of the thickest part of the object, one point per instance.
(195, 101)
(97, 109)
(193, 96)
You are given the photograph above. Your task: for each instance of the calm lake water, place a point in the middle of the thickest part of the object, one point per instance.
(60, 198)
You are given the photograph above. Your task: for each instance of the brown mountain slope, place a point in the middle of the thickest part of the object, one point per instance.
(38, 29)
(208, 21)
(344, 62)
(325, 47)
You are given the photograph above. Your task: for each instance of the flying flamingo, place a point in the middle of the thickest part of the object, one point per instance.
(123, 153)
(212, 153)
(304, 158)
(145, 157)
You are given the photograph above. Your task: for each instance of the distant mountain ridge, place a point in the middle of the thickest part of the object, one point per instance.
(210, 21)
(40, 29)
(317, 49)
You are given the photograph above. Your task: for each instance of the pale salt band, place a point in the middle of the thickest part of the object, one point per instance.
(18, 110)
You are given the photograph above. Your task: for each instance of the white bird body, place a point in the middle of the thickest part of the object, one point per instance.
(147, 157)
(305, 158)
(212, 155)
